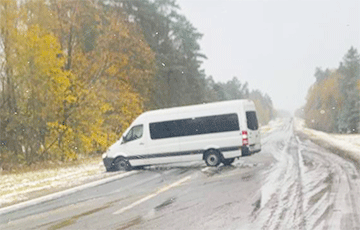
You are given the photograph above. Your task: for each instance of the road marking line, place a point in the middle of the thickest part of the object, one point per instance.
(205, 169)
(177, 183)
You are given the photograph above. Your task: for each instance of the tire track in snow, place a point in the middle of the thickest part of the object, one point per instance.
(307, 188)
(281, 196)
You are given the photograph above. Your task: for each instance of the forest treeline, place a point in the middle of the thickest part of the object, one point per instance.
(74, 74)
(333, 101)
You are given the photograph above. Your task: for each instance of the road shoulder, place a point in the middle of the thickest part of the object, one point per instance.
(340, 147)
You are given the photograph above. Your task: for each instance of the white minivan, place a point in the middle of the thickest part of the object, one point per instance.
(215, 132)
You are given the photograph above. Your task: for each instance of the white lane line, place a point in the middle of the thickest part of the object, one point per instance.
(205, 169)
(177, 183)
(57, 195)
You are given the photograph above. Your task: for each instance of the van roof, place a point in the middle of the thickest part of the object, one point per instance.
(190, 108)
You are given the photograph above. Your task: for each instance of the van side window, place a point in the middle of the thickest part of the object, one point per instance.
(252, 121)
(135, 132)
(194, 126)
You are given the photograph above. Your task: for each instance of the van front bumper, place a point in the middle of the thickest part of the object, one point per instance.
(108, 163)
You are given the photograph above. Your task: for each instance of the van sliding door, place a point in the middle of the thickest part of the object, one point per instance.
(163, 145)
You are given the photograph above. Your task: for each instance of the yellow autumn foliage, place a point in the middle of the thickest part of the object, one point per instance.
(70, 103)
(323, 101)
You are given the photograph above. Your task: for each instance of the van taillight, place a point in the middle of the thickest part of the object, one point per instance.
(245, 140)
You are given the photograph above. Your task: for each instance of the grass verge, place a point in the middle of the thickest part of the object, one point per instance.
(29, 183)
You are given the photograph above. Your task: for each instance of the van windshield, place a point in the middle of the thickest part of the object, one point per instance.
(135, 132)
(252, 122)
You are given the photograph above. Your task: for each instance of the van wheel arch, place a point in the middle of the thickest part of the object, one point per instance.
(228, 161)
(212, 157)
(121, 163)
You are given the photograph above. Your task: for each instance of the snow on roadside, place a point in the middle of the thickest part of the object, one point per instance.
(349, 143)
(271, 126)
(19, 187)
(352, 138)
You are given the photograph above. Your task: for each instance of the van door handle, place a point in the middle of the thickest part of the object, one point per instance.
(141, 143)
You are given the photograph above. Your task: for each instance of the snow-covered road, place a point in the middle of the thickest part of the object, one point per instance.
(308, 187)
(292, 183)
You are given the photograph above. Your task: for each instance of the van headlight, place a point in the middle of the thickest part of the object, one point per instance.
(104, 155)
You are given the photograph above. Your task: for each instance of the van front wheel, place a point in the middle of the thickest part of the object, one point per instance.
(121, 164)
(212, 158)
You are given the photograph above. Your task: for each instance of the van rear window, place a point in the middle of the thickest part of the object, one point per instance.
(194, 126)
(252, 122)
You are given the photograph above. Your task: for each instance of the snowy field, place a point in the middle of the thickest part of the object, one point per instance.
(19, 187)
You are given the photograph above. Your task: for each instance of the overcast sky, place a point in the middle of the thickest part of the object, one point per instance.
(274, 45)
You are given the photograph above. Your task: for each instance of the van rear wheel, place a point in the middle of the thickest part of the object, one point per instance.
(228, 161)
(121, 164)
(212, 158)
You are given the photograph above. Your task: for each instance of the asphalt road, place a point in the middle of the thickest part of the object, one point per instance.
(290, 184)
